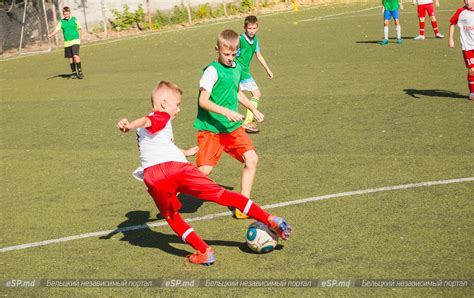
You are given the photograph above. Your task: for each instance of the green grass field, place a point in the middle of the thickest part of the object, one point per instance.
(342, 114)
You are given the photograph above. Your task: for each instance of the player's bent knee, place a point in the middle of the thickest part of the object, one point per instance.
(251, 159)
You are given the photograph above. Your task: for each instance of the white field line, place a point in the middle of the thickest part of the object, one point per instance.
(228, 213)
(339, 15)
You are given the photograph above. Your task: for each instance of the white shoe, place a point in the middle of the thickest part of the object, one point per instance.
(439, 35)
(419, 37)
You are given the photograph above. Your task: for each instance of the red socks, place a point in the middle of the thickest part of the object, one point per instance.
(247, 206)
(435, 26)
(422, 28)
(186, 232)
(470, 81)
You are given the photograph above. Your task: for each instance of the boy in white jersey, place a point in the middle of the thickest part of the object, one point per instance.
(464, 18)
(426, 6)
(167, 172)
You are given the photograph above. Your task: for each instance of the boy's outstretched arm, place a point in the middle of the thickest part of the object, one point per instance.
(126, 126)
(243, 100)
(206, 104)
(264, 64)
(451, 36)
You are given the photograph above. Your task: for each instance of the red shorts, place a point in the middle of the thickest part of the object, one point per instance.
(211, 145)
(429, 8)
(165, 180)
(468, 58)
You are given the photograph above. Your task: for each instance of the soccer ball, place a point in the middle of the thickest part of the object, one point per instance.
(260, 238)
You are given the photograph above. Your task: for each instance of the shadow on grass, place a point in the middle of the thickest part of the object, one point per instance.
(136, 232)
(63, 76)
(378, 40)
(416, 93)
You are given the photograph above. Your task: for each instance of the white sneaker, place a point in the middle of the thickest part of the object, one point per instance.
(439, 35)
(419, 37)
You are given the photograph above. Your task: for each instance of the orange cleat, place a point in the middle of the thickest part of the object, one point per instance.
(206, 258)
(280, 226)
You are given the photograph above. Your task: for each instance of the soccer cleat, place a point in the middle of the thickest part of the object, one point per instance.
(240, 215)
(471, 96)
(280, 226)
(251, 127)
(198, 257)
(80, 75)
(383, 42)
(399, 41)
(439, 35)
(419, 37)
(73, 76)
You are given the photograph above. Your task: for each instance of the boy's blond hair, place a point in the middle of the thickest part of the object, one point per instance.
(164, 85)
(229, 39)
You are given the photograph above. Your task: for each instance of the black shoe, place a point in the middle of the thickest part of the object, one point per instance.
(73, 76)
(80, 75)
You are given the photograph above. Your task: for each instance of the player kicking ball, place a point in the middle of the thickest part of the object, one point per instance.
(167, 172)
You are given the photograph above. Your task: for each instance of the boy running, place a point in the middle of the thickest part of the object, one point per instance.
(72, 40)
(218, 122)
(426, 6)
(167, 172)
(390, 10)
(248, 47)
(464, 18)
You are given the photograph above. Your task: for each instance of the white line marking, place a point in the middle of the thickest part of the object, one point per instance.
(228, 213)
(337, 16)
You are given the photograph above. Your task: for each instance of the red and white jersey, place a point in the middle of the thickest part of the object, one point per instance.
(156, 142)
(422, 2)
(464, 18)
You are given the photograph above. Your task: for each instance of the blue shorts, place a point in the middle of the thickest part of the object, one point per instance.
(387, 14)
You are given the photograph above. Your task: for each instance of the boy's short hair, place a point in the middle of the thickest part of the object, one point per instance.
(165, 84)
(250, 20)
(229, 39)
(66, 9)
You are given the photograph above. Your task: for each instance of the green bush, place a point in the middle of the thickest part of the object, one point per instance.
(203, 12)
(246, 4)
(180, 14)
(160, 20)
(126, 19)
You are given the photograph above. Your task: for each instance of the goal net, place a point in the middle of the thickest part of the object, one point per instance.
(24, 26)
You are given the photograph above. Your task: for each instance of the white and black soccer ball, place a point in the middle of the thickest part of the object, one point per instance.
(260, 238)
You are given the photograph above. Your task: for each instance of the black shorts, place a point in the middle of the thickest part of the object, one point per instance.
(71, 51)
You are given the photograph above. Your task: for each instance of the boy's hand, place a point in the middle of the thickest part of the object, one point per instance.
(258, 116)
(191, 151)
(123, 125)
(270, 74)
(413, 2)
(451, 43)
(401, 5)
(234, 116)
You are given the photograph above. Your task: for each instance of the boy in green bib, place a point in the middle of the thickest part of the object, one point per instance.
(72, 40)
(248, 48)
(218, 121)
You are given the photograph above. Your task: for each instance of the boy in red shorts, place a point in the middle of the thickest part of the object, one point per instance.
(464, 18)
(426, 6)
(167, 172)
(218, 122)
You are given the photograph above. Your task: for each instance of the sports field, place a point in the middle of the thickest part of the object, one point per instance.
(342, 114)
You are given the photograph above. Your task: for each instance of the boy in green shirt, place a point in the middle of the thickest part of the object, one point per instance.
(72, 40)
(390, 10)
(248, 47)
(218, 121)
